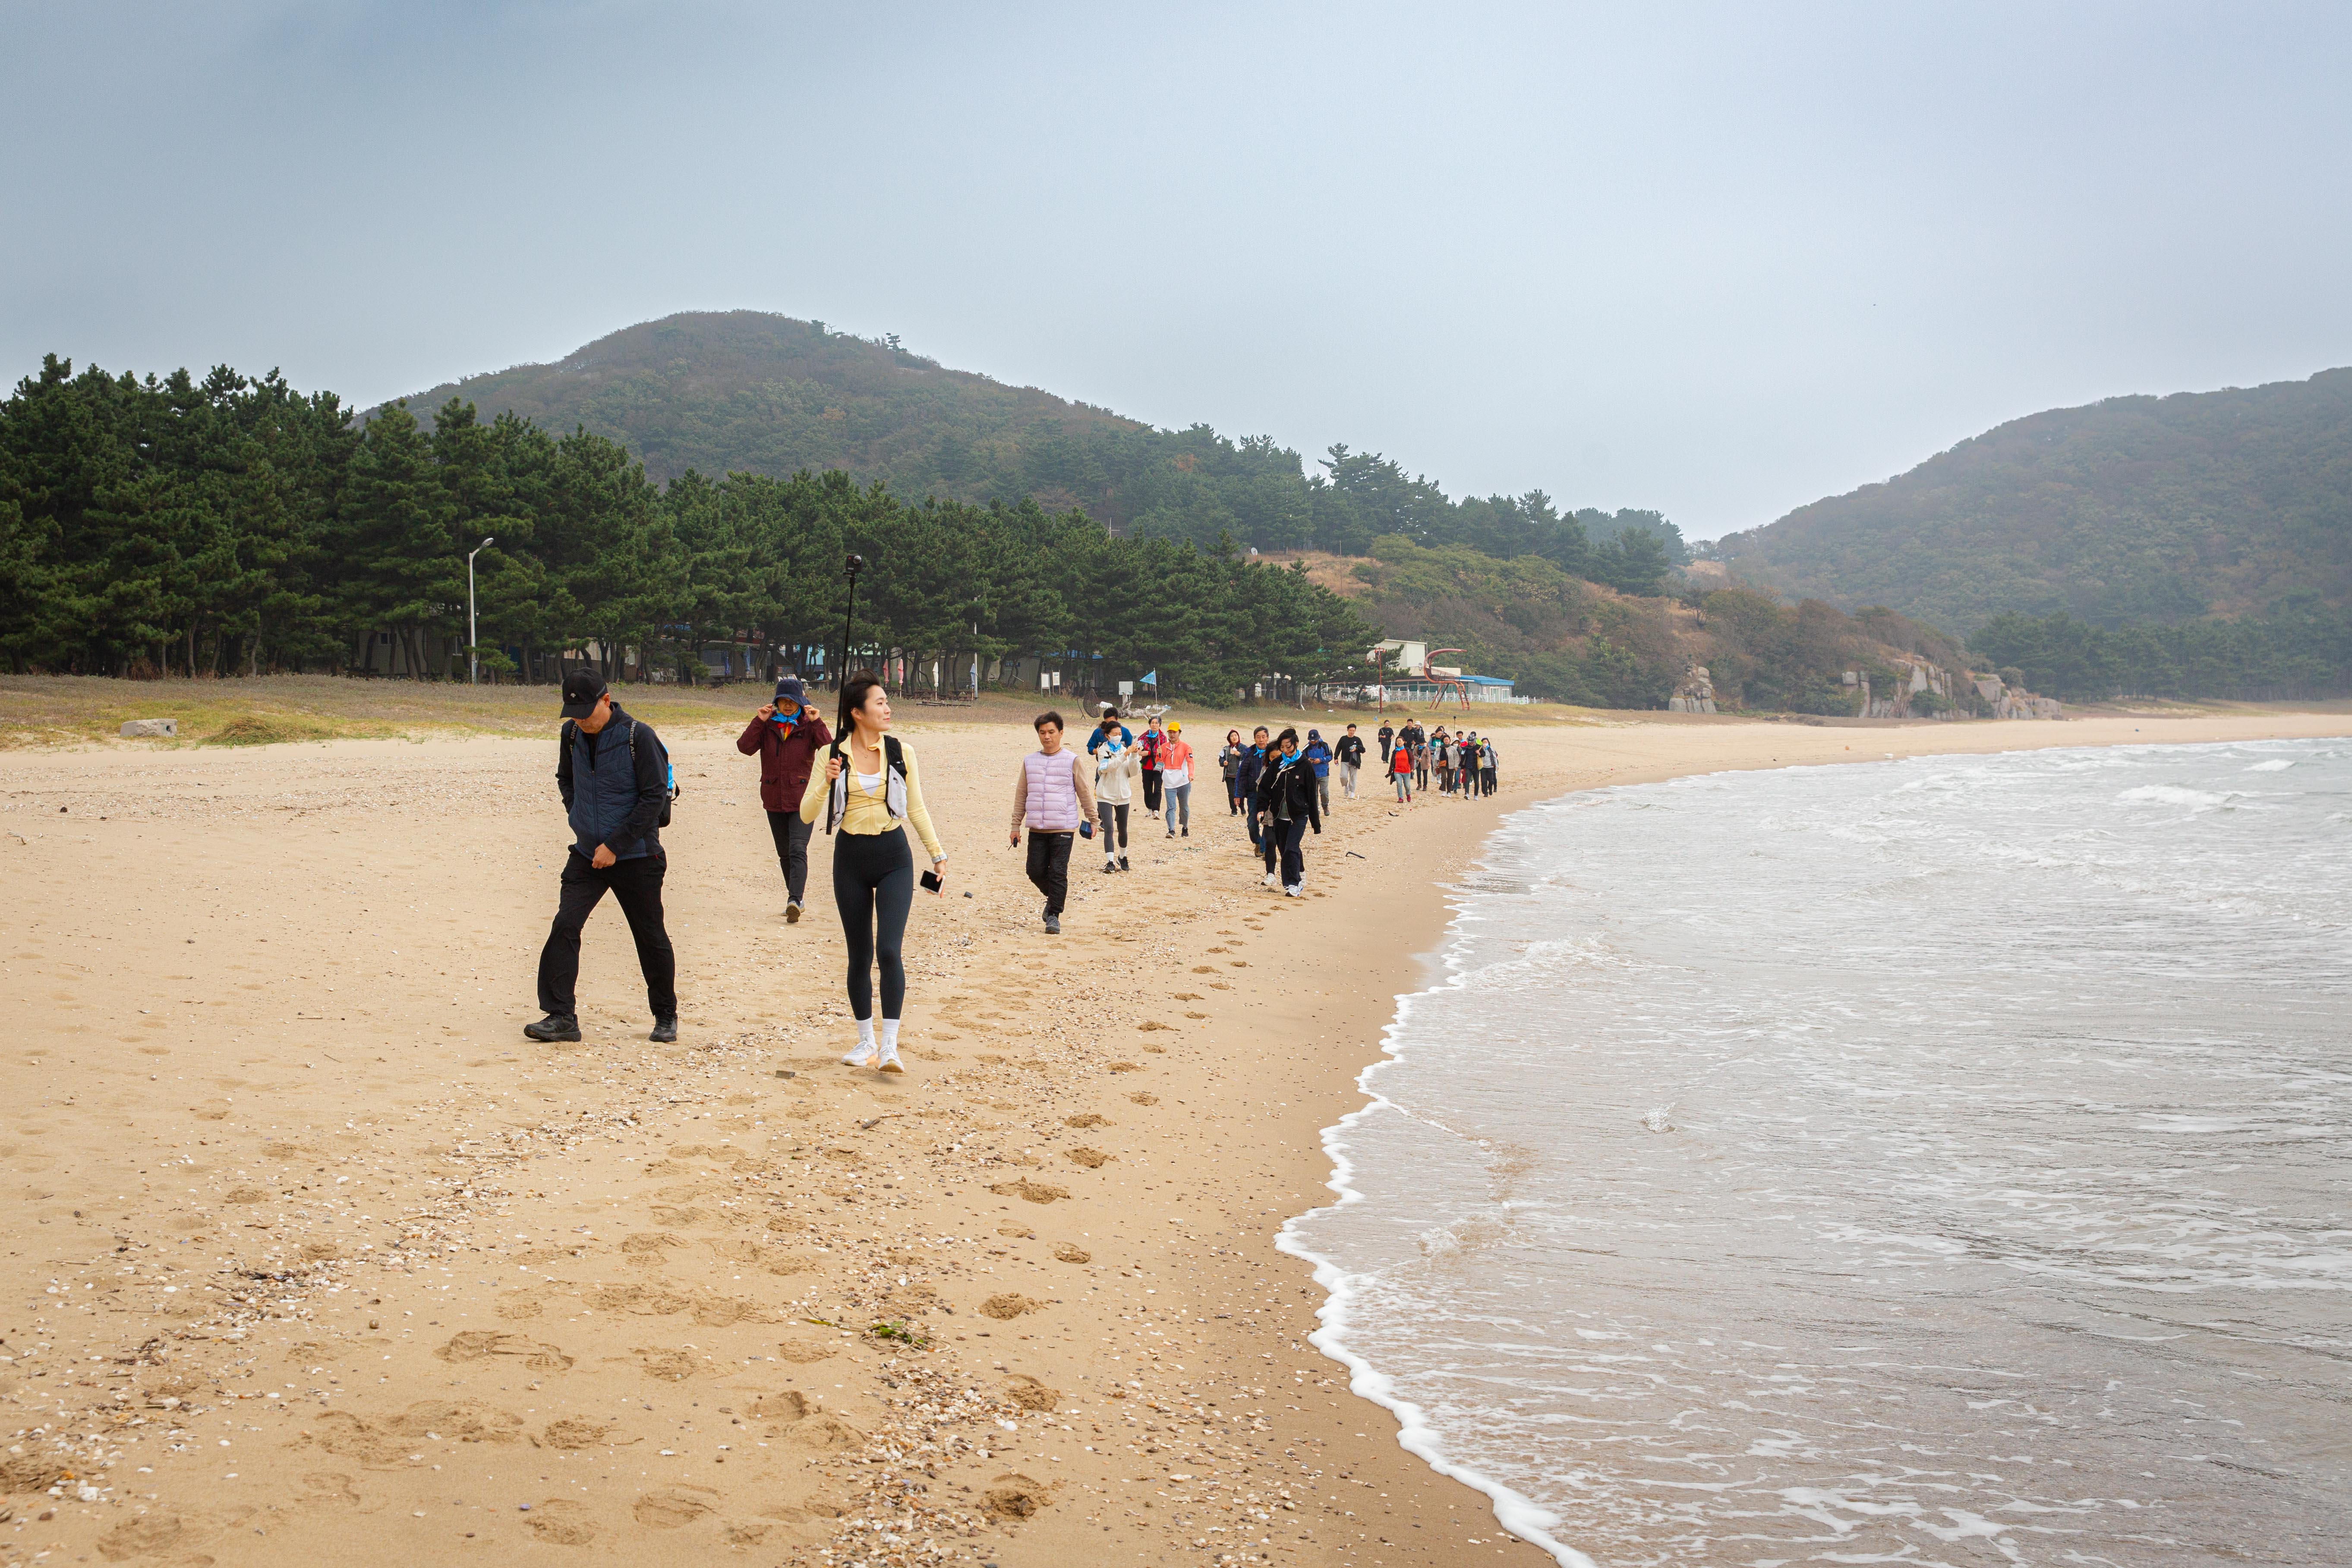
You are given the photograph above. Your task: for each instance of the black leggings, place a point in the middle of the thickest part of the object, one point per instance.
(874, 887)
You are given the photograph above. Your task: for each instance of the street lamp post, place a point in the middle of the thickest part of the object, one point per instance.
(473, 661)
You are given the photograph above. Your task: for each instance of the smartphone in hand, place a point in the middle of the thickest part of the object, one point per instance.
(932, 883)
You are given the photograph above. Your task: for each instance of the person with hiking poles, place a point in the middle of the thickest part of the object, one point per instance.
(614, 774)
(868, 790)
(1052, 796)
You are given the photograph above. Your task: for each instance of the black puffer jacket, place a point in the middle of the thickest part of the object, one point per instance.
(1286, 791)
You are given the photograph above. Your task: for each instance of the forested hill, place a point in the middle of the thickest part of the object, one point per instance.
(2131, 510)
(730, 391)
(746, 392)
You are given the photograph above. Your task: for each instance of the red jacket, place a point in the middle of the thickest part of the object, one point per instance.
(784, 759)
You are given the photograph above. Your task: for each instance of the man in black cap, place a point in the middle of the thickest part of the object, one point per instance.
(614, 774)
(786, 736)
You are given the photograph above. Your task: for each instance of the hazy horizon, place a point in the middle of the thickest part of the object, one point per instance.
(1710, 260)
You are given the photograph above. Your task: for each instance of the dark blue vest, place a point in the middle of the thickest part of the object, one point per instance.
(605, 790)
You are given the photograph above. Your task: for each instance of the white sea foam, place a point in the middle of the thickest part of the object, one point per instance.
(1887, 1162)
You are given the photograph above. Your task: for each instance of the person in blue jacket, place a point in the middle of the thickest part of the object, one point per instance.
(1245, 777)
(1320, 755)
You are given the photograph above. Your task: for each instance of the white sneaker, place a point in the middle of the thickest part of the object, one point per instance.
(1293, 892)
(889, 1062)
(861, 1056)
(1272, 880)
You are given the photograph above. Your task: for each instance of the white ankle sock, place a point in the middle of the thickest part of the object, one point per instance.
(865, 1036)
(890, 1035)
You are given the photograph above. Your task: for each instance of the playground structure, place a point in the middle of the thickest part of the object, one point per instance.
(1416, 660)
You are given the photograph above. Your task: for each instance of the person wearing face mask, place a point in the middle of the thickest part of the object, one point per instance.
(786, 736)
(1115, 769)
(1287, 805)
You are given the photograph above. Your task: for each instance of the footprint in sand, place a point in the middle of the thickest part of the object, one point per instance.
(390, 1440)
(672, 1508)
(1035, 1191)
(1144, 1098)
(1069, 1253)
(801, 1353)
(571, 1432)
(1089, 1120)
(1016, 1496)
(145, 1535)
(783, 1408)
(478, 1344)
(1031, 1394)
(644, 1301)
(674, 1365)
(1092, 1159)
(562, 1521)
(1008, 1306)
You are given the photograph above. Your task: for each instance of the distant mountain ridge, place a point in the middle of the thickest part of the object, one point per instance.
(745, 391)
(726, 390)
(2129, 510)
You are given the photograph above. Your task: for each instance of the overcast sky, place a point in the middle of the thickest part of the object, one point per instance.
(1720, 260)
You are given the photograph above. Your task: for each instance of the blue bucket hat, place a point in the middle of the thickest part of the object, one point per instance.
(790, 692)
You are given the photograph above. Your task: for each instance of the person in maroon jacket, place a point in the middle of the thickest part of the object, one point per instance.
(786, 736)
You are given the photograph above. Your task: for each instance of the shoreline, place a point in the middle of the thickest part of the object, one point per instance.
(587, 1278)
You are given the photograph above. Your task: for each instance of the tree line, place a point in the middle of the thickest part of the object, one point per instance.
(173, 525)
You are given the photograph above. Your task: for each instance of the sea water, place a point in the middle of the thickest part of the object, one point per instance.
(1933, 1162)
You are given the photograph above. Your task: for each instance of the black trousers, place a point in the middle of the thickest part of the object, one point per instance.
(1049, 866)
(874, 887)
(637, 885)
(1114, 825)
(1152, 790)
(792, 836)
(1291, 838)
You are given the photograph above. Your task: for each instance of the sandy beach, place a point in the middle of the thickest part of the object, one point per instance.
(311, 1256)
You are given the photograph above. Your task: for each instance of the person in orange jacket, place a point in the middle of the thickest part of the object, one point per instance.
(1176, 780)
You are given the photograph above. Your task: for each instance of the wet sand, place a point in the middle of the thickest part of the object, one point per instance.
(310, 1255)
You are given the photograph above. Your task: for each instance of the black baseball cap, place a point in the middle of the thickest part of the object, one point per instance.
(582, 687)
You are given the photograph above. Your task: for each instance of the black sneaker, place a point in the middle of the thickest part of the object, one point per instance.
(1123, 865)
(554, 1026)
(1052, 925)
(664, 1032)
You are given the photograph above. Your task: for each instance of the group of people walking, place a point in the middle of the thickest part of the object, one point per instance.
(863, 782)
(1462, 764)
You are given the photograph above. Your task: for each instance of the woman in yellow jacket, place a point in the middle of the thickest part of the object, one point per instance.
(868, 790)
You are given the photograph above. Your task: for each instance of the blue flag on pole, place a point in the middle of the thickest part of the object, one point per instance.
(1150, 678)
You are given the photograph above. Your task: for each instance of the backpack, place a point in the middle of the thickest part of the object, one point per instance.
(670, 770)
(892, 762)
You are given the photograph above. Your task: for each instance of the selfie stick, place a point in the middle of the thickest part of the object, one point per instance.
(846, 617)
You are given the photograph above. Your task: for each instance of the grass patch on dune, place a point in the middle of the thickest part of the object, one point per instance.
(276, 729)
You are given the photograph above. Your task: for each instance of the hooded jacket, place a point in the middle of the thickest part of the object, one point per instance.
(1286, 791)
(785, 757)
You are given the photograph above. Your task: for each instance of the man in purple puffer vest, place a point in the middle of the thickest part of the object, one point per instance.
(1052, 797)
